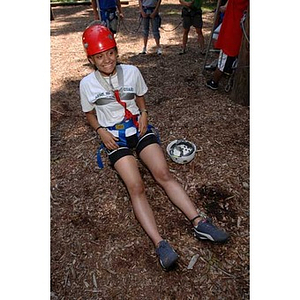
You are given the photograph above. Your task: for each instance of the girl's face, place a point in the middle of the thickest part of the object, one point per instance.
(105, 61)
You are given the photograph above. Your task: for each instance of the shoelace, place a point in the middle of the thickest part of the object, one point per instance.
(208, 221)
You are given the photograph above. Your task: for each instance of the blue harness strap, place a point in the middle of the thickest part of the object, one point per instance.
(130, 120)
(99, 160)
(121, 127)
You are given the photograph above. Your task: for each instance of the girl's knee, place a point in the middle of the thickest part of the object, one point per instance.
(163, 175)
(137, 188)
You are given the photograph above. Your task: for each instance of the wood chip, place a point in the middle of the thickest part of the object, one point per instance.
(193, 261)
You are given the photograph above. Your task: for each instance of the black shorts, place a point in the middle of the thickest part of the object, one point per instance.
(191, 18)
(133, 144)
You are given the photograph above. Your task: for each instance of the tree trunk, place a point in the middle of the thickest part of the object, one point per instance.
(51, 14)
(240, 90)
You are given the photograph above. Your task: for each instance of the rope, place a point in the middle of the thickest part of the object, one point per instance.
(131, 32)
(173, 28)
(140, 22)
(243, 27)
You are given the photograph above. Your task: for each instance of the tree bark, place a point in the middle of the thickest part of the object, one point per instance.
(240, 90)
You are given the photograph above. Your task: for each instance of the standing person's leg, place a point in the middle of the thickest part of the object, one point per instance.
(155, 23)
(184, 39)
(198, 24)
(186, 24)
(225, 63)
(127, 168)
(146, 27)
(200, 40)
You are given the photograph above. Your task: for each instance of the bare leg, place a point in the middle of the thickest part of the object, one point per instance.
(162, 175)
(129, 172)
(217, 75)
(157, 41)
(145, 42)
(200, 39)
(185, 37)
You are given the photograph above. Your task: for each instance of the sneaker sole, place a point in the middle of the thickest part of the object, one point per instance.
(171, 265)
(209, 68)
(211, 87)
(205, 236)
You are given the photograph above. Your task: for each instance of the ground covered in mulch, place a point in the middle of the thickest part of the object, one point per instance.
(98, 249)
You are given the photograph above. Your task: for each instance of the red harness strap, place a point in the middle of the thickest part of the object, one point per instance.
(109, 87)
(128, 114)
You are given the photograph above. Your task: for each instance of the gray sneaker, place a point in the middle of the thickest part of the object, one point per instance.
(167, 255)
(205, 230)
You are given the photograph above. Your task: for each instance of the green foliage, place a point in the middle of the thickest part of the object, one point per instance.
(68, 1)
(209, 5)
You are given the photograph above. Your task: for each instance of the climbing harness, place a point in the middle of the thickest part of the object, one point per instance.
(109, 87)
(108, 17)
(129, 120)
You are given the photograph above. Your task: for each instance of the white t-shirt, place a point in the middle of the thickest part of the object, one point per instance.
(109, 112)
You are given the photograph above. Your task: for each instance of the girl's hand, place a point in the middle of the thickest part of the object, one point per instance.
(143, 123)
(108, 139)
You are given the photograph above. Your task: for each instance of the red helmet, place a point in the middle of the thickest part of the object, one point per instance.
(97, 38)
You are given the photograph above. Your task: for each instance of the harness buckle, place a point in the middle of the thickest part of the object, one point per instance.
(119, 126)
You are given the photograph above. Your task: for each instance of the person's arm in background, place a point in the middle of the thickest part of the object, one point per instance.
(120, 9)
(95, 9)
(156, 10)
(186, 4)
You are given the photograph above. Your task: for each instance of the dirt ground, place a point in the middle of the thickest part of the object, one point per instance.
(98, 249)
